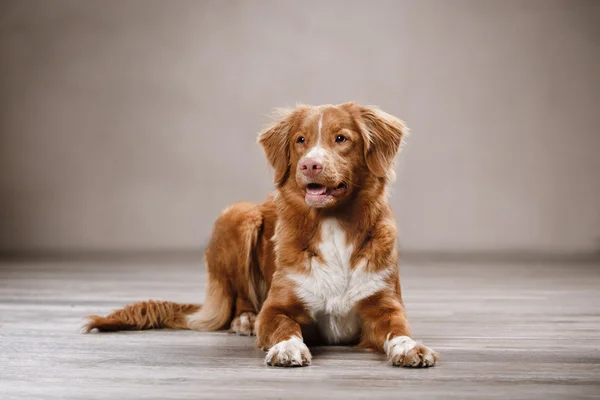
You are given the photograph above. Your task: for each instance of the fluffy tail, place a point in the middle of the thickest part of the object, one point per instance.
(165, 314)
(143, 315)
(231, 274)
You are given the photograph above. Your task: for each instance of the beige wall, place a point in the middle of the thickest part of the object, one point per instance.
(130, 125)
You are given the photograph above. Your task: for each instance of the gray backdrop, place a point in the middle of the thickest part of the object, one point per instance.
(128, 125)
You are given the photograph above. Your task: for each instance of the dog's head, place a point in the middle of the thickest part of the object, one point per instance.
(324, 154)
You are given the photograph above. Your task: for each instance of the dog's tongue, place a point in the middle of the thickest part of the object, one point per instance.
(316, 190)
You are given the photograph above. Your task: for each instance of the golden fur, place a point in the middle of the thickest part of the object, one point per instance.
(256, 249)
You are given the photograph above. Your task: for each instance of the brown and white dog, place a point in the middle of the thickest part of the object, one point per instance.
(318, 261)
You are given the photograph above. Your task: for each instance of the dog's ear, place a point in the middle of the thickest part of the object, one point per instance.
(275, 141)
(382, 134)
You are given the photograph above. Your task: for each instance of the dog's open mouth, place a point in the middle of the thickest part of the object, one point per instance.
(319, 195)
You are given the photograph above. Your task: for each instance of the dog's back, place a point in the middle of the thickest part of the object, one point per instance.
(240, 265)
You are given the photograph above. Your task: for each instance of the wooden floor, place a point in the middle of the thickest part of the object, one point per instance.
(509, 331)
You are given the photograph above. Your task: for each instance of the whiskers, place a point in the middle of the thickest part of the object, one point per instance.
(352, 184)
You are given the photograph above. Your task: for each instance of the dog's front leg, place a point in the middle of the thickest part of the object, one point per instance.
(278, 330)
(386, 329)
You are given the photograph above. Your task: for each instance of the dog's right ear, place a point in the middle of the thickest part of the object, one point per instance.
(275, 141)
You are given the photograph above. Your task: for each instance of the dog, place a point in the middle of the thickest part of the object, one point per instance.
(318, 261)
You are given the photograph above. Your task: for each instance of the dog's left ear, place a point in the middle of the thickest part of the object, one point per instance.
(382, 134)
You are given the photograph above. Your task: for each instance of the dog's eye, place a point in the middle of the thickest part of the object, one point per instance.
(340, 139)
(300, 140)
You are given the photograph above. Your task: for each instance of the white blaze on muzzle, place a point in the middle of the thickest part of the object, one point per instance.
(317, 152)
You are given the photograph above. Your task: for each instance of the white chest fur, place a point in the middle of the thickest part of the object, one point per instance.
(332, 289)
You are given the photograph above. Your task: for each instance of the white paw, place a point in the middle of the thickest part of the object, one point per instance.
(289, 353)
(243, 324)
(405, 352)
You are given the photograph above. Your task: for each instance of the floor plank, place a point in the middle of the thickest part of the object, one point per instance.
(503, 331)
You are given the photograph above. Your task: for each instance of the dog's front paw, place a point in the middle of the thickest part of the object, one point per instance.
(289, 353)
(243, 324)
(402, 351)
